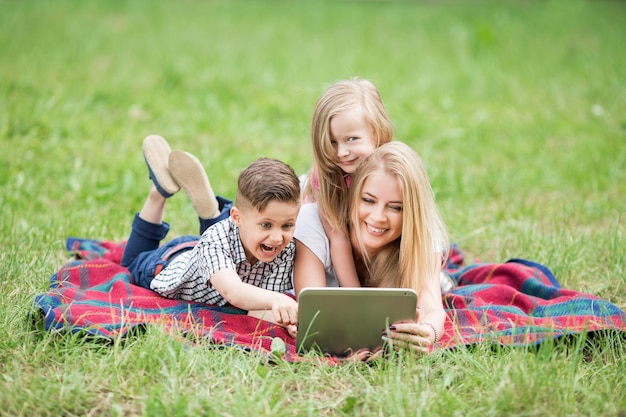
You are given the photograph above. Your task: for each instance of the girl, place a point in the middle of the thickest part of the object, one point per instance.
(349, 122)
(397, 236)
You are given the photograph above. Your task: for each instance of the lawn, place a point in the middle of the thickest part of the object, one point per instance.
(516, 107)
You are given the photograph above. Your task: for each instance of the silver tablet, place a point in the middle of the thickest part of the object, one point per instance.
(338, 321)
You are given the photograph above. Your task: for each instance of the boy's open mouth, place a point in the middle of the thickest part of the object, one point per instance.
(268, 249)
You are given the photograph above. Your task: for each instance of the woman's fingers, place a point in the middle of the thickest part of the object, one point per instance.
(410, 335)
(361, 355)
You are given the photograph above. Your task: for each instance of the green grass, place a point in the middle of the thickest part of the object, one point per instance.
(516, 107)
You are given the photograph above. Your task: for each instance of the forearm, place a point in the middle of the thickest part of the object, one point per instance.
(249, 297)
(430, 308)
(345, 270)
(341, 256)
(343, 263)
(308, 269)
(280, 308)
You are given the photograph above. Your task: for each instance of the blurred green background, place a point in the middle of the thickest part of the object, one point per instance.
(517, 108)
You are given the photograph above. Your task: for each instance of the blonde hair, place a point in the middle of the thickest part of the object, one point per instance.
(420, 250)
(332, 196)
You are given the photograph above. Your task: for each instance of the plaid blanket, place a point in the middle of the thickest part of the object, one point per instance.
(518, 303)
(514, 303)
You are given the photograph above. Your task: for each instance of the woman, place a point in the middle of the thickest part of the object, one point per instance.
(397, 235)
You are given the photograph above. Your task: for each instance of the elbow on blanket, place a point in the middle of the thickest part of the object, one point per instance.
(233, 298)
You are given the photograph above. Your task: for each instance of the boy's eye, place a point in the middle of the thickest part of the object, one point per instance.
(266, 225)
(287, 226)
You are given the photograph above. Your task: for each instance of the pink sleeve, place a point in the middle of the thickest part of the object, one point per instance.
(315, 179)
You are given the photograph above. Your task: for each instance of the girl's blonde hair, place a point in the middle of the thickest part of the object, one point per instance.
(332, 195)
(421, 248)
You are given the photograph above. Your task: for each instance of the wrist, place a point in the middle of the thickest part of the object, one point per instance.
(432, 326)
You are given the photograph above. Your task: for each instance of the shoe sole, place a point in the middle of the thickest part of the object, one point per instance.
(156, 152)
(190, 175)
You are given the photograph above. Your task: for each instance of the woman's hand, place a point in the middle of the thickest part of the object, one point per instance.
(419, 337)
(365, 355)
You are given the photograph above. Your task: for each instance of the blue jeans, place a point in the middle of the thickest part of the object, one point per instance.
(224, 205)
(145, 257)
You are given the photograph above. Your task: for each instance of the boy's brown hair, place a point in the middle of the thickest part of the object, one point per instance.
(266, 180)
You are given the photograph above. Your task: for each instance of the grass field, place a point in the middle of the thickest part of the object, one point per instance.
(516, 107)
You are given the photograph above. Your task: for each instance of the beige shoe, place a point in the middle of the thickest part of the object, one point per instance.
(156, 152)
(189, 173)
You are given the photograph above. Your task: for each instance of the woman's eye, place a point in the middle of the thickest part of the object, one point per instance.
(396, 208)
(367, 200)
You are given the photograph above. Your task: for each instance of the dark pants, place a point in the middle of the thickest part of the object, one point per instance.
(145, 257)
(224, 205)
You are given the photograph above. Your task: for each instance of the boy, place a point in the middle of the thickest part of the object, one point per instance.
(245, 260)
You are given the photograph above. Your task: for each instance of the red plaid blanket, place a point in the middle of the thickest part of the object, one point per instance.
(514, 303)
(519, 302)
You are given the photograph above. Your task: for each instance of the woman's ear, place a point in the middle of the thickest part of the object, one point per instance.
(235, 216)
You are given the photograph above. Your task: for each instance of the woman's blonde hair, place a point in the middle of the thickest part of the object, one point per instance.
(332, 195)
(420, 250)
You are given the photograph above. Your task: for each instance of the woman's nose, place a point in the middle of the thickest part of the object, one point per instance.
(378, 212)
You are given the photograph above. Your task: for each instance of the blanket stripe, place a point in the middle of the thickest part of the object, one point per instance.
(518, 302)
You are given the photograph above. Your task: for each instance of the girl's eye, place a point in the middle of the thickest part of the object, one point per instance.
(333, 142)
(352, 138)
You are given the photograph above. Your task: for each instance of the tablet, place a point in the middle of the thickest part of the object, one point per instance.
(338, 321)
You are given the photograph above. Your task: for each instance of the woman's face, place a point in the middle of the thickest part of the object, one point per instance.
(380, 211)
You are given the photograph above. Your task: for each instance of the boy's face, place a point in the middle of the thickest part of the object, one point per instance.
(265, 234)
(351, 138)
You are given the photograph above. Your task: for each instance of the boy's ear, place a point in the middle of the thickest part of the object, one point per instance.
(235, 216)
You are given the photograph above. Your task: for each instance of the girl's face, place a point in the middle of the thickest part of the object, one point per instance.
(380, 211)
(352, 139)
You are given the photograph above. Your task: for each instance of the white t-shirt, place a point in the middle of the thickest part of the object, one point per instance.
(310, 232)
